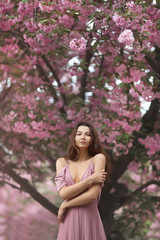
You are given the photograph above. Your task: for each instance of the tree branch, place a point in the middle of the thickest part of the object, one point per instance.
(13, 32)
(10, 184)
(150, 116)
(55, 76)
(27, 187)
(88, 57)
(4, 93)
(129, 197)
(101, 66)
(22, 53)
(45, 78)
(154, 63)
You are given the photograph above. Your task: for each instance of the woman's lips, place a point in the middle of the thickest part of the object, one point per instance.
(82, 142)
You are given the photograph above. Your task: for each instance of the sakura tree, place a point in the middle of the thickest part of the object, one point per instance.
(63, 61)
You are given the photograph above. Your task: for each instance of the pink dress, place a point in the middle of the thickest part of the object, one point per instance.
(82, 222)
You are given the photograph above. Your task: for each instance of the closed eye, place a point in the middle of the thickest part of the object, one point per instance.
(81, 134)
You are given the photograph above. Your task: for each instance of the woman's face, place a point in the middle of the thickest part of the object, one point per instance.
(83, 137)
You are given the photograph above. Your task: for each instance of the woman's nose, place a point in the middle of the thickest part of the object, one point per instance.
(82, 136)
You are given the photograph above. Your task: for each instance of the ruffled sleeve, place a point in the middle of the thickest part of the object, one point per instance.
(60, 179)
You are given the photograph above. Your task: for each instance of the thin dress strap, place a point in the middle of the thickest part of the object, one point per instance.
(67, 161)
(92, 159)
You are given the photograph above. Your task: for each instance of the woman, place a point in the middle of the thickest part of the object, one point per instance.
(80, 177)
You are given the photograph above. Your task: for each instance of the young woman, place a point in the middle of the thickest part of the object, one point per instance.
(80, 177)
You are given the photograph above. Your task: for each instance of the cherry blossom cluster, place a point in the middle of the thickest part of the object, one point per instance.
(120, 21)
(126, 37)
(78, 44)
(66, 21)
(151, 143)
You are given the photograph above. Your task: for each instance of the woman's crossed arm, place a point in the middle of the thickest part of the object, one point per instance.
(88, 196)
(68, 192)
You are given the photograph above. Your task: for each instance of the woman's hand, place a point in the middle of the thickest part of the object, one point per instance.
(61, 211)
(98, 177)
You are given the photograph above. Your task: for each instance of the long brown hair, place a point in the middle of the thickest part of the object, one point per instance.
(94, 148)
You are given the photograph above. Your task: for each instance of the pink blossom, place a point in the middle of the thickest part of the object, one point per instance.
(76, 5)
(66, 21)
(75, 71)
(126, 37)
(6, 25)
(37, 125)
(152, 143)
(31, 41)
(65, 78)
(136, 74)
(13, 115)
(20, 127)
(46, 28)
(133, 166)
(121, 69)
(5, 6)
(71, 114)
(126, 79)
(120, 21)
(78, 45)
(31, 25)
(157, 164)
(59, 104)
(130, 4)
(25, 9)
(45, 8)
(87, 10)
(146, 92)
(136, 177)
(31, 115)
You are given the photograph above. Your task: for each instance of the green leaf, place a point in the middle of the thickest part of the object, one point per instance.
(91, 15)
(52, 20)
(147, 33)
(95, 44)
(43, 21)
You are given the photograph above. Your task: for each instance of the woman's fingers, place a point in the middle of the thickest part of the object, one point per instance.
(99, 176)
(103, 175)
(60, 219)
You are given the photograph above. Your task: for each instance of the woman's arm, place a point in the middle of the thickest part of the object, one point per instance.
(87, 196)
(82, 199)
(68, 192)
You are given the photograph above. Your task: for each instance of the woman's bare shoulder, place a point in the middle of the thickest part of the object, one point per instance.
(99, 160)
(100, 156)
(61, 162)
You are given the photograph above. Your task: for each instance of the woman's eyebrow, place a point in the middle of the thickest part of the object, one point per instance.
(81, 132)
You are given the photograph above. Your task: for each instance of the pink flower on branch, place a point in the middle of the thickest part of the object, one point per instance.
(76, 5)
(66, 21)
(130, 5)
(31, 115)
(120, 21)
(47, 7)
(126, 37)
(151, 143)
(78, 45)
(5, 6)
